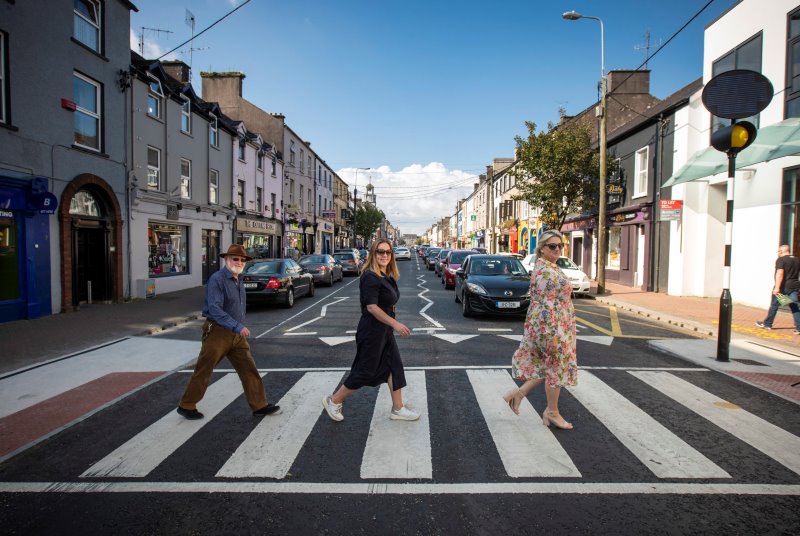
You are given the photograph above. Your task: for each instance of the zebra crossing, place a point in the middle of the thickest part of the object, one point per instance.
(402, 451)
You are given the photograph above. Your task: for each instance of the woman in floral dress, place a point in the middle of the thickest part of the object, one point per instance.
(546, 353)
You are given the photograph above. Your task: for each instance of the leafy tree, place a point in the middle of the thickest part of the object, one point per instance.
(557, 170)
(368, 219)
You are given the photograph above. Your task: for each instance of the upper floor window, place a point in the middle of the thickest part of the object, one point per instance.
(291, 153)
(88, 101)
(310, 167)
(302, 157)
(4, 118)
(259, 200)
(213, 186)
(186, 178)
(213, 139)
(274, 165)
(640, 173)
(260, 161)
(792, 108)
(300, 199)
(291, 191)
(240, 194)
(87, 23)
(241, 150)
(186, 117)
(745, 56)
(153, 168)
(155, 98)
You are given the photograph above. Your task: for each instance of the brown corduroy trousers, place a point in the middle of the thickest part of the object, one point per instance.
(217, 343)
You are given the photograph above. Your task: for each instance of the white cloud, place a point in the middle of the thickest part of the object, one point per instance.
(416, 196)
(151, 49)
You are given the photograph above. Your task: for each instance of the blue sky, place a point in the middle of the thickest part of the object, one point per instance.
(426, 93)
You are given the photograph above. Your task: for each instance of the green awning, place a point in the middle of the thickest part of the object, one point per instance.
(774, 141)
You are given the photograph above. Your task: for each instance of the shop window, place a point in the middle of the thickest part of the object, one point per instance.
(614, 243)
(9, 260)
(790, 210)
(186, 178)
(745, 56)
(213, 186)
(87, 23)
(87, 96)
(167, 249)
(83, 203)
(153, 168)
(155, 98)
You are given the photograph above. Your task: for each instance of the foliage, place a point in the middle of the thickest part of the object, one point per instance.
(557, 171)
(368, 219)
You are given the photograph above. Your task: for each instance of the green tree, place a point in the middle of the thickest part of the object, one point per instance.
(368, 219)
(557, 170)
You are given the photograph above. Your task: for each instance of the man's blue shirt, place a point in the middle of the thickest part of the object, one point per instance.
(225, 301)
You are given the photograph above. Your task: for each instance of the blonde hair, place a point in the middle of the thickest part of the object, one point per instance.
(547, 235)
(372, 260)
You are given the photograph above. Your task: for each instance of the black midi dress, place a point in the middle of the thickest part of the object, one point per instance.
(377, 355)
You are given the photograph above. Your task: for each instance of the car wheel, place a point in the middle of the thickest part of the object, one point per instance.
(330, 280)
(289, 303)
(465, 308)
(311, 289)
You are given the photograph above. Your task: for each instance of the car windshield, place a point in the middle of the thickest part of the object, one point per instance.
(314, 259)
(263, 268)
(458, 258)
(498, 267)
(565, 262)
(443, 253)
(343, 256)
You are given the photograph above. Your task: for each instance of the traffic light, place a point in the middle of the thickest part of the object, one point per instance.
(734, 138)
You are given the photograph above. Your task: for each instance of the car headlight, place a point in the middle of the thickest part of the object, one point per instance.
(477, 289)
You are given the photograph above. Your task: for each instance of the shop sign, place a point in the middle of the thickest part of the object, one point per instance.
(45, 203)
(327, 227)
(258, 226)
(172, 212)
(622, 218)
(330, 214)
(6, 214)
(670, 209)
(14, 199)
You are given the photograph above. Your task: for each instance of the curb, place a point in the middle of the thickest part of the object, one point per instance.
(697, 328)
(169, 325)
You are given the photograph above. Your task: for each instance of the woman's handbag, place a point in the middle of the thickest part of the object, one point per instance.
(783, 299)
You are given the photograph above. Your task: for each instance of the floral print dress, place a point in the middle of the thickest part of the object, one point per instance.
(547, 349)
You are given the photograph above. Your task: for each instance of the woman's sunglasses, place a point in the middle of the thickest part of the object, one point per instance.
(383, 252)
(554, 247)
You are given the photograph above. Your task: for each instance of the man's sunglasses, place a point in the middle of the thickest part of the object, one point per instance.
(554, 247)
(238, 259)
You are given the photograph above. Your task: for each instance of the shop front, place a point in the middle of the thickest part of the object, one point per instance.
(261, 238)
(628, 259)
(324, 236)
(25, 212)
(299, 238)
(580, 246)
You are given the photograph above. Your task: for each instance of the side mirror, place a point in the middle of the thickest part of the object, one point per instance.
(460, 272)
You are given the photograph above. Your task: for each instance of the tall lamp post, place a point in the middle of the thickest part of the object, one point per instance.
(602, 240)
(355, 204)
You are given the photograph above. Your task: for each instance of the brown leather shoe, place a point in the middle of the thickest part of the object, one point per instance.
(269, 409)
(191, 414)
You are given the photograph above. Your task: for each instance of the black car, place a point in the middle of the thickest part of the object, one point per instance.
(493, 284)
(323, 268)
(349, 262)
(276, 281)
(430, 257)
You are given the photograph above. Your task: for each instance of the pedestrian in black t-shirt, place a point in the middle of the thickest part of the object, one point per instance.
(787, 270)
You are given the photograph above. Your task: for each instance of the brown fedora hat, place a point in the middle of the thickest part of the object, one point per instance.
(237, 250)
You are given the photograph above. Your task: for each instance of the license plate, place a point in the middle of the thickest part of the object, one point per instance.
(507, 304)
(251, 285)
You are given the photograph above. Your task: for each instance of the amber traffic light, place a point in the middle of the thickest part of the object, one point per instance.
(734, 138)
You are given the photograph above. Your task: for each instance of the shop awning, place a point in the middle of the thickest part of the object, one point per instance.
(774, 141)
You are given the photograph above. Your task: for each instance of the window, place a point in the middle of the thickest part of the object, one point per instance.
(310, 168)
(259, 200)
(640, 173)
(186, 117)
(260, 161)
(274, 165)
(87, 23)
(4, 108)
(302, 157)
(300, 198)
(272, 207)
(614, 237)
(319, 205)
(153, 168)
(186, 178)
(87, 97)
(167, 249)
(745, 56)
(212, 133)
(9, 257)
(213, 186)
(291, 191)
(154, 99)
(241, 150)
(83, 203)
(240, 194)
(291, 153)
(790, 210)
(792, 108)
(309, 209)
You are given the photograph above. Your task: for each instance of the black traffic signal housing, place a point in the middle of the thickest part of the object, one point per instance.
(734, 138)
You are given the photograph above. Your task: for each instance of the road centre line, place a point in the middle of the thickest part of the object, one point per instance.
(306, 309)
(395, 488)
(460, 367)
(322, 314)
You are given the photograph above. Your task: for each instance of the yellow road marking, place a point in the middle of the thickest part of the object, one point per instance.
(593, 326)
(615, 329)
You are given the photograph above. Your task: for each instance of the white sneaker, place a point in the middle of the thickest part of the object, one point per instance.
(334, 410)
(404, 414)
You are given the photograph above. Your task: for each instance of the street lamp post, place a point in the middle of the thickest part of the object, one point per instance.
(355, 205)
(602, 240)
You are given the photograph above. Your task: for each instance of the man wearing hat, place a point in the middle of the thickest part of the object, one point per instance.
(224, 333)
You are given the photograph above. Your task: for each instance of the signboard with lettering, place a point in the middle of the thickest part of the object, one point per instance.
(670, 209)
(256, 226)
(45, 203)
(330, 214)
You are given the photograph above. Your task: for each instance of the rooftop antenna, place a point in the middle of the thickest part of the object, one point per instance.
(141, 37)
(190, 22)
(646, 47)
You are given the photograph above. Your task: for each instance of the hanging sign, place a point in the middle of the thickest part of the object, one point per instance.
(670, 209)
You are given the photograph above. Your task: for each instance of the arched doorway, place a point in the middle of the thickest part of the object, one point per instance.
(90, 243)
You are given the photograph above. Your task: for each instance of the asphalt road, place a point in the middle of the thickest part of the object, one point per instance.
(659, 446)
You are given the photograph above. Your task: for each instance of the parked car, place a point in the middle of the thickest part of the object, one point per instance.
(580, 281)
(362, 255)
(481, 250)
(402, 253)
(349, 262)
(494, 284)
(276, 281)
(323, 268)
(437, 266)
(453, 262)
(430, 257)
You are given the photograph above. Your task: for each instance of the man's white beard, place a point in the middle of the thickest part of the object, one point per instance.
(236, 269)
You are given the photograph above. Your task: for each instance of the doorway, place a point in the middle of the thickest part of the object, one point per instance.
(577, 251)
(640, 257)
(90, 263)
(210, 248)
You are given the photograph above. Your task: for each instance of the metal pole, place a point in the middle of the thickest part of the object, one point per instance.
(725, 302)
(89, 292)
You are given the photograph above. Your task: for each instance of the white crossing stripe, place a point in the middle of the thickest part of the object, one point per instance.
(271, 448)
(775, 442)
(145, 451)
(333, 341)
(454, 338)
(399, 449)
(527, 448)
(664, 453)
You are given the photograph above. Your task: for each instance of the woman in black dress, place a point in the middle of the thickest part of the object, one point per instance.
(377, 356)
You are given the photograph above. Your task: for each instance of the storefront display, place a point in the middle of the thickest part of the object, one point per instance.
(167, 245)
